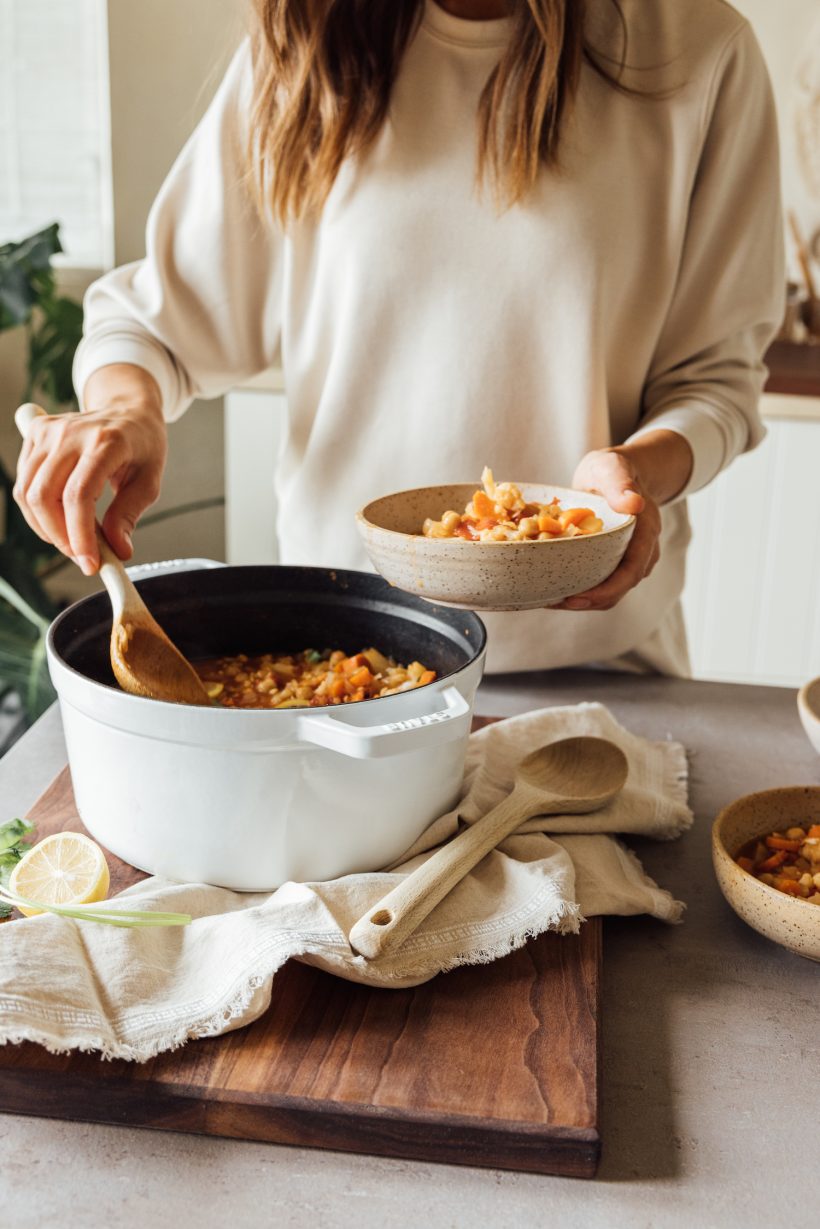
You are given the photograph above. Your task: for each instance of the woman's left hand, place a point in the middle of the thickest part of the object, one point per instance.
(634, 478)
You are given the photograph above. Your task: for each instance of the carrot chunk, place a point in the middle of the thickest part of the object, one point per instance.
(548, 524)
(781, 842)
(772, 863)
(790, 886)
(746, 864)
(483, 505)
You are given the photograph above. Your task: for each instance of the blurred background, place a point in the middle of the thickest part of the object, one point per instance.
(97, 98)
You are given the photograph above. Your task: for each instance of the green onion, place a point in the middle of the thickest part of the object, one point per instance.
(101, 911)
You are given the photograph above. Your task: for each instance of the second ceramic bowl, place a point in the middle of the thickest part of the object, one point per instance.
(788, 920)
(808, 706)
(488, 575)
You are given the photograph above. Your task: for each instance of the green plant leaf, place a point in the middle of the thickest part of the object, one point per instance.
(24, 670)
(54, 337)
(22, 651)
(28, 298)
(12, 847)
(19, 604)
(20, 568)
(25, 275)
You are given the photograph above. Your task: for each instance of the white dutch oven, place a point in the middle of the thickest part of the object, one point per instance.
(249, 799)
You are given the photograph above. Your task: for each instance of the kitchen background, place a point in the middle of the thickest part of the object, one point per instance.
(96, 99)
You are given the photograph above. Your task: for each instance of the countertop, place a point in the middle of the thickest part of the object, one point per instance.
(710, 1052)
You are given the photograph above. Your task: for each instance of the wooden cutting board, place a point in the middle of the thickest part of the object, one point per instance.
(495, 1065)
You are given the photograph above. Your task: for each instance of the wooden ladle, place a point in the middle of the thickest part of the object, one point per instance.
(569, 777)
(145, 662)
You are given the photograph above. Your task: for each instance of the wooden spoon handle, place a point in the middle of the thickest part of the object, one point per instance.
(25, 415)
(387, 925)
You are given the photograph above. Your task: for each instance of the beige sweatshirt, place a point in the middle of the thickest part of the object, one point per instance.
(423, 335)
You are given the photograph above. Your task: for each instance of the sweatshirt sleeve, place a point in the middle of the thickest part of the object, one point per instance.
(202, 311)
(707, 371)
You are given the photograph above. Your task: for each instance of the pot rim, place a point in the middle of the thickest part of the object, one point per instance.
(110, 694)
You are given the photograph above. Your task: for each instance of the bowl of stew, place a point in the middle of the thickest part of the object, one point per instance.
(494, 546)
(766, 855)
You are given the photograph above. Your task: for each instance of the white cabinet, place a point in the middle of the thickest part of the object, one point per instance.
(254, 423)
(752, 598)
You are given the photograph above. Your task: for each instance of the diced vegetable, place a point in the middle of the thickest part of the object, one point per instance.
(575, 516)
(780, 842)
(308, 679)
(772, 863)
(788, 860)
(499, 513)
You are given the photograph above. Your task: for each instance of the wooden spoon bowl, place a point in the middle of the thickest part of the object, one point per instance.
(570, 777)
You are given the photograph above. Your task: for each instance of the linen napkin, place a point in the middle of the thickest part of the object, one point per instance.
(135, 993)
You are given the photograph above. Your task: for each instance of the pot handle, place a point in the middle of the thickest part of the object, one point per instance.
(372, 742)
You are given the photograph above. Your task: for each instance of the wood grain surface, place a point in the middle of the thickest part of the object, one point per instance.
(495, 1065)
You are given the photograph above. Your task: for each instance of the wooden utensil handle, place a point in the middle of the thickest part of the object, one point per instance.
(25, 415)
(387, 925)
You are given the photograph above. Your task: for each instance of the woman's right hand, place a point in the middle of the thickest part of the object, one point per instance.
(67, 459)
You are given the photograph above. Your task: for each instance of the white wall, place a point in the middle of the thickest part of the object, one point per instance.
(783, 28)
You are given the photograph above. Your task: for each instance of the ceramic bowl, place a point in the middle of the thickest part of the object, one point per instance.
(488, 575)
(808, 706)
(792, 922)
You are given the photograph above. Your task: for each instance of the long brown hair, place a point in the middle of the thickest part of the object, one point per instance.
(324, 71)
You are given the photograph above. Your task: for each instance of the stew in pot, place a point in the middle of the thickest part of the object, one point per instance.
(309, 679)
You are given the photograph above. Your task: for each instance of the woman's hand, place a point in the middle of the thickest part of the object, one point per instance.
(67, 459)
(634, 478)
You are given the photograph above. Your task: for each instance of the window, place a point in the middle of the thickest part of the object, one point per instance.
(53, 125)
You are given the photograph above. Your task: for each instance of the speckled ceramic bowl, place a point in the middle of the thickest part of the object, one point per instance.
(792, 922)
(488, 575)
(808, 706)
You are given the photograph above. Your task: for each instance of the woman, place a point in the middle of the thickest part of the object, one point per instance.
(476, 240)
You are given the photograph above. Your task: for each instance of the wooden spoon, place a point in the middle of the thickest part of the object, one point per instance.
(145, 662)
(569, 777)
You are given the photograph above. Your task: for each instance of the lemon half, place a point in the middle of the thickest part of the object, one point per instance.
(66, 868)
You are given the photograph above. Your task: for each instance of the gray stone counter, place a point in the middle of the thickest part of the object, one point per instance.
(710, 1053)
